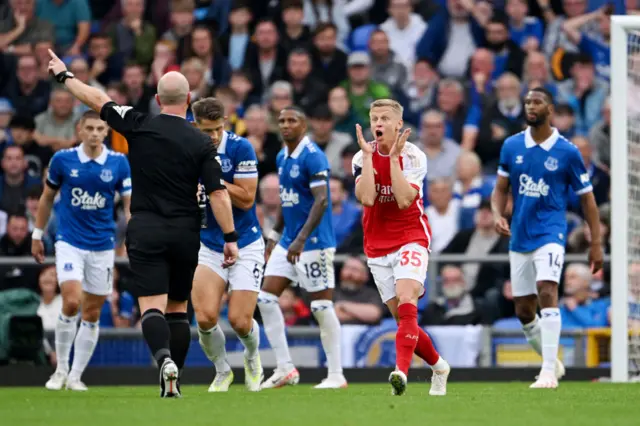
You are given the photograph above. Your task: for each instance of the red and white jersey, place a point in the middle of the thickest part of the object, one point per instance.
(386, 227)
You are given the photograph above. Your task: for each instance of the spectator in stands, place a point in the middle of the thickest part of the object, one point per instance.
(138, 93)
(243, 87)
(594, 45)
(164, 60)
(453, 34)
(6, 115)
(361, 88)
(50, 299)
(347, 160)
(442, 152)
(17, 240)
(71, 20)
(356, 302)
(295, 34)
(106, 64)
(55, 128)
(41, 52)
(346, 213)
(328, 61)
(294, 310)
(456, 307)
(20, 28)
(80, 69)
(266, 60)
(470, 188)
(328, 139)
(118, 308)
(280, 96)
(266, 144)
(118, 94)
(203, 46)
(443, 213)
(564, 120)
(461, 122)
(577, 309)
(482, 78)
(182, 18)
(384, 66)
(599, 177)
(234, 43)
(195, 72)
(421, 91)
(404, 29)
(503, 118)
(509, 57)
(134, 37)
(344, 118)
(556, 42)
(270, 200)
(579, 239)
(14, 180)
(29, 95)
(600, 137)
(308, 90)
(525, 31)
(36, 156)
(322, 12)
(537, 74)
(480, 241)
(233, 123)
(585, 93)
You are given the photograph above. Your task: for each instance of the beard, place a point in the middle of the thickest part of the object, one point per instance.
(496, 47)
(536, 122)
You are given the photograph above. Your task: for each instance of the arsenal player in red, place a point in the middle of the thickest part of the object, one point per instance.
(389, 175)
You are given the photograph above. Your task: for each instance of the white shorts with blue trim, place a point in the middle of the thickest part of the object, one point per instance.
(245, 274)
(314, 271)
(542, 264)
(94, 269)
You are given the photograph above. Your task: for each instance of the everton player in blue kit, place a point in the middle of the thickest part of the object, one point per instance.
(300, 250)
(542, 168)
(88, 178)
(240, 172)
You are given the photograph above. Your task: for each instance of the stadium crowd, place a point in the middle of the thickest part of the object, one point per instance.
(459, 68)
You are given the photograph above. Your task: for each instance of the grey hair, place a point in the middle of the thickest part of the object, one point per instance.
(581, 269)
(450, 82)
(280, 84)
(433, 113)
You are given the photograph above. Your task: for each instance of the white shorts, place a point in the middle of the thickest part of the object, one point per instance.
(410, 262)
(543, 264)
(314, 271)
(94, 269)
(246, 274)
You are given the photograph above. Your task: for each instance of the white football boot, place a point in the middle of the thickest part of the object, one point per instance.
(57, 380)
(439, 378)
(334, 381)
(282, 378)
(546, 380)
(221, 382)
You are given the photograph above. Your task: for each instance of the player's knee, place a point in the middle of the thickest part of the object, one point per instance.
(548, 295)
(525, 313)
(240, 323)
(206, 318)
(91, 314)
(71, 304)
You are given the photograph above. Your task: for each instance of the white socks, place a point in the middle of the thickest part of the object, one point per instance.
(532, 333)
(213, 344)
(251, 341)
(84, 345)
(550, 327)
(65, 333)
(273, 323)
(326, 316)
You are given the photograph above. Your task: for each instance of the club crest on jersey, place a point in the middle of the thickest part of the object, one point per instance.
(106, 175)
(295, 171)
(226, 165)
(551, 164)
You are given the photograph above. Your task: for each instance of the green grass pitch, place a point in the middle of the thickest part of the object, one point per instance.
(495, 404)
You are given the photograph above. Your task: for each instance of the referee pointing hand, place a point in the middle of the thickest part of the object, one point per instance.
(168, 156)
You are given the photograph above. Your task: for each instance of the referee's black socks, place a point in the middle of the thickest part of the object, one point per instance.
(180, 336)
(156, 333)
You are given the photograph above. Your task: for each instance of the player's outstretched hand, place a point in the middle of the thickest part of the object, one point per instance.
(398, 145)
(595, 258)
(365, 146)
(56, 66)
(502, 226)
(37, 250)
(295, 250)
(230, 251)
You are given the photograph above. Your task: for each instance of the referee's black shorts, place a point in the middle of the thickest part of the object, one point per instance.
(163, 255)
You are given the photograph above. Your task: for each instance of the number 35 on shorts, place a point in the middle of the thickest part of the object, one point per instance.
(411, 263)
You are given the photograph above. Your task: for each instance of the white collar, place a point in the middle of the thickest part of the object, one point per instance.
(100, 159)
(546, 145)
(296, 152)
(222, 146)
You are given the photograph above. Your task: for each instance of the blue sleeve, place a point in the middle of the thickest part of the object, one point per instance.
(537, 30)
(124, 182)
(125, 309)
(586, 44)
(54, 177)
(246, 162)
(473, 117)
(83, 13)
(504, 166)
(578, 175)
(318, 167)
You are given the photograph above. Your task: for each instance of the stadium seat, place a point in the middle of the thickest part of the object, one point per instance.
(359, 38)
(508, 323)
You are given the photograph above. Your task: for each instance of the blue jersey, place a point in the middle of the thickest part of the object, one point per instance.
(305, 168)
(87, 190)
(239, 161)
(541, 177)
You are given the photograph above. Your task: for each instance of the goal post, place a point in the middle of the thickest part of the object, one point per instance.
(625, 196)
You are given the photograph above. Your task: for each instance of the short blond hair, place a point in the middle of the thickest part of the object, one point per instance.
(394, 105)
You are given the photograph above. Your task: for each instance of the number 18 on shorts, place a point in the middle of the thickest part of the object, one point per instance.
(410, 262)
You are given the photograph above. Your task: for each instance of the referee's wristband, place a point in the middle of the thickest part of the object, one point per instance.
(37, 234)
(231, 237)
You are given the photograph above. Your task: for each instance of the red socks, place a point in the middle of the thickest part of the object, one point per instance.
(407, 335)
(425, 349)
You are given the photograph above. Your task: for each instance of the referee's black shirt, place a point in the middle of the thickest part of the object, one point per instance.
(168, 156)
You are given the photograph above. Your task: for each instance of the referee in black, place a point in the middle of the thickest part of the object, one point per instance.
(168, 156)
